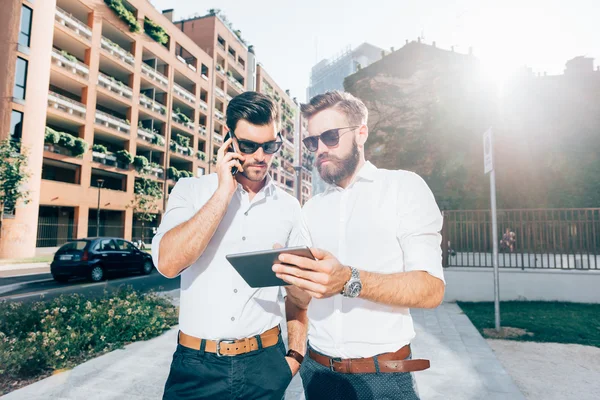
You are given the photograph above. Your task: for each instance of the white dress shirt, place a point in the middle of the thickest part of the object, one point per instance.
(385, 222)
(216, 302)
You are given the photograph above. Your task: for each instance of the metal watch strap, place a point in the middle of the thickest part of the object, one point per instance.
(355, 273)
(295, 355)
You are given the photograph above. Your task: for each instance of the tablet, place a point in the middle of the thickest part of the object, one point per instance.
(257, 267)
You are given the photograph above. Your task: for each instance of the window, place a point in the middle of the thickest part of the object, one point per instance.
(204, 71)
(123, 245)
(16, 126)
(199, 172)
(20, 79)
(25, 30)
(105, 245)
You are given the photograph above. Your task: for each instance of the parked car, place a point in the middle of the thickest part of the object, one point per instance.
(95, 258)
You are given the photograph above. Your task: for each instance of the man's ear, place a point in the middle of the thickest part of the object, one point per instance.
(362, 135)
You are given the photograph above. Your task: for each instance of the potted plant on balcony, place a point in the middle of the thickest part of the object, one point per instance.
(126, 15)
(201, 155)
(173, 145)
(80, 147)
(276, 163)
(140, 163)
(50, 139)
(66, 140)
(68, 56)
(158, 140)
(125, 158)
(183, 141)
(99, 151)
(173, 173)
(156, 31)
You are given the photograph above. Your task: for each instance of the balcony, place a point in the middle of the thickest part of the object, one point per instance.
(184, 93)
(203, 106)
(202, 130)
(76, 26)
(113, 122)
(177, 148)
(117, 51)
(146, 135)
(218, 138)
(154, 75)
(220, 92)
(114, 85)
(236, 84)
(152, 105)
(219, 115)
(228, 97)
(157, 171)
(70, 63)
(182, 121)
(65, 104)
(220, 69)
(107, 158)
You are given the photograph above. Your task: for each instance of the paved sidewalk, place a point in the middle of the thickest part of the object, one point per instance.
(463, 367)
(10, 270)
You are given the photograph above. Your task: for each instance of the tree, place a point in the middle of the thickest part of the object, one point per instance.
(146, 193)
(13, 174)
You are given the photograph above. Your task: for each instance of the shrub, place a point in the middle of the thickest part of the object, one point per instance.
(155, 31)
(140, 162)
(124, 156)
(158, 140)
(66, 140)
(98, 148)
(126, 15)
(51, 136)
(183, 141)
(80, 147)
(173, 173)
(201, 155)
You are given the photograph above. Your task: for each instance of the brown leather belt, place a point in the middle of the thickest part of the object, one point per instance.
(231, 347)
(388, 362)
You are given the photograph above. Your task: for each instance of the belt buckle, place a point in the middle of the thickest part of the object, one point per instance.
(331, 365)
(226, 341)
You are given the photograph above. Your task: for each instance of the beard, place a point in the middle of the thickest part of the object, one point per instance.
(338, 169)
(255, 175)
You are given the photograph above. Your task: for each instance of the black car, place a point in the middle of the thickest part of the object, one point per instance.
(95, 258)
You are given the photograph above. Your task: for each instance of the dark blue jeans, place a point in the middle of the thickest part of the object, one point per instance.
(262, 374)
(321, 382)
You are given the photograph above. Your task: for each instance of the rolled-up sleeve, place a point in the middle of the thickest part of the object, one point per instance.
(419, 226)
(179, 209)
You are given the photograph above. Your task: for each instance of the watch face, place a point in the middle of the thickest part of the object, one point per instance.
(354, 289)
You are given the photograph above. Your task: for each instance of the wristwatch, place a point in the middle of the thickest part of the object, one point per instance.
(353, 287)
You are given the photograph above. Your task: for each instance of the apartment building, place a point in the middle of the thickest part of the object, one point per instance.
(103, 97)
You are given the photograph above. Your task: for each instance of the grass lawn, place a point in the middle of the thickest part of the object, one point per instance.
(41, 259)
(547, 321)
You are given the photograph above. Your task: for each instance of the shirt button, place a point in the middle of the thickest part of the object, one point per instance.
(246, 213)
(234, 290)
(243, 237)
(233, 319)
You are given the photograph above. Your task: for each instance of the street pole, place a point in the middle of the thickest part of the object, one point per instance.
(100, 182)
(489, 167)
(298, 151)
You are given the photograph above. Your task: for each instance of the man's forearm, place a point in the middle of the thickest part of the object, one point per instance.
(184, 244)
(414, 289)
(297, 321)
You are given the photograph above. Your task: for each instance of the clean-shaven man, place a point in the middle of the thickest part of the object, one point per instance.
(375, 236)
(229, 344)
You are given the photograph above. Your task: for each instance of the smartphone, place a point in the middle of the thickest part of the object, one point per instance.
(231, 149)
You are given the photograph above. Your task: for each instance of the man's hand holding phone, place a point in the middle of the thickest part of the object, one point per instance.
(226, 160)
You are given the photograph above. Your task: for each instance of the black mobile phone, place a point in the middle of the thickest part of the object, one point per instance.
(231, 149)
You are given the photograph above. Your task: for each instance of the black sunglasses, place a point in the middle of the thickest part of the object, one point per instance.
(330, 138)
(250, 147)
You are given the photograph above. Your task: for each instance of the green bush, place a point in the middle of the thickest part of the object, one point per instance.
(66, 140)
(80, 147)
(68, 56)
(156, 31)
(124, 156)
(173, 173)
(158, 140)
(126, 15)
(38, 338)
(201, 155)
(173, 145)
(98, 148)
(183, 141)
(140, 162)
(51, 136)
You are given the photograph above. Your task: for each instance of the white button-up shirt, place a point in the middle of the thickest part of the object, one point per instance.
(385, 222)
(216, 302)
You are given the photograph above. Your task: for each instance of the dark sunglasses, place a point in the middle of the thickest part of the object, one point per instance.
(330, 138)
(250, 147)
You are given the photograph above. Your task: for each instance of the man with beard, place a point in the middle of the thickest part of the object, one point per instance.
(375, 237)
(229, 344)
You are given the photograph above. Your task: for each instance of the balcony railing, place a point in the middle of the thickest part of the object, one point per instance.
(228, 97)
(219, 115)
(74, 66)
(113, 122)
(154, 75)
(236, 83)
(202, 130)
(179, 120)
(66, 19)
(176, 147)
(220, 92)
(157, 171)
(148, 136)
(109, 158)
(218, 138)
(203, 106)
(186, 94)
(220, 69)
(65, 104)
(117, 51)
(152, 105)
(114, 85)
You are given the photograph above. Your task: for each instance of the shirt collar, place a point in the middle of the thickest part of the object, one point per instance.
(268, 188)
(367, 172)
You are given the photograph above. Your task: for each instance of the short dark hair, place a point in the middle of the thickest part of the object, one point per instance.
(256, 108)
(355, 110)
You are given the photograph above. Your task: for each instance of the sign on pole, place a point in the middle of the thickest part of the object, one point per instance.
(488, 161)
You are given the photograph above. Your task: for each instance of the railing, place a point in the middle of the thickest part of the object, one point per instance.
(188, 124)
(186, 94)
(154, 75)
(112, 122)
(220, 69)
(228, 97)
(65, 104)
(219, 115)
(52, 234)
(202, 130)
(114, 85)
(153, 105)
(159, 172)
(186, 151)
(236, 83)
(528, 238)
(203, 105)
(116, 50)
(148, 136)
(218, 138)
(219, 92)
(221, 45)
(66, 19)
(76, 66)
(108, 158)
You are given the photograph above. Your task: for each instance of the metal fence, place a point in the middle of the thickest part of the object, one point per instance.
(106, 230)
(52, 234)
(543, 238)
(148, 232)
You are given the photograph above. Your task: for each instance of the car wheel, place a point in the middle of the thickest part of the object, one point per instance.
(59, 278)
(147, 268)
(97, 274)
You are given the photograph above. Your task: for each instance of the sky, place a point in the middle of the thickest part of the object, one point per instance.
(290, 39)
